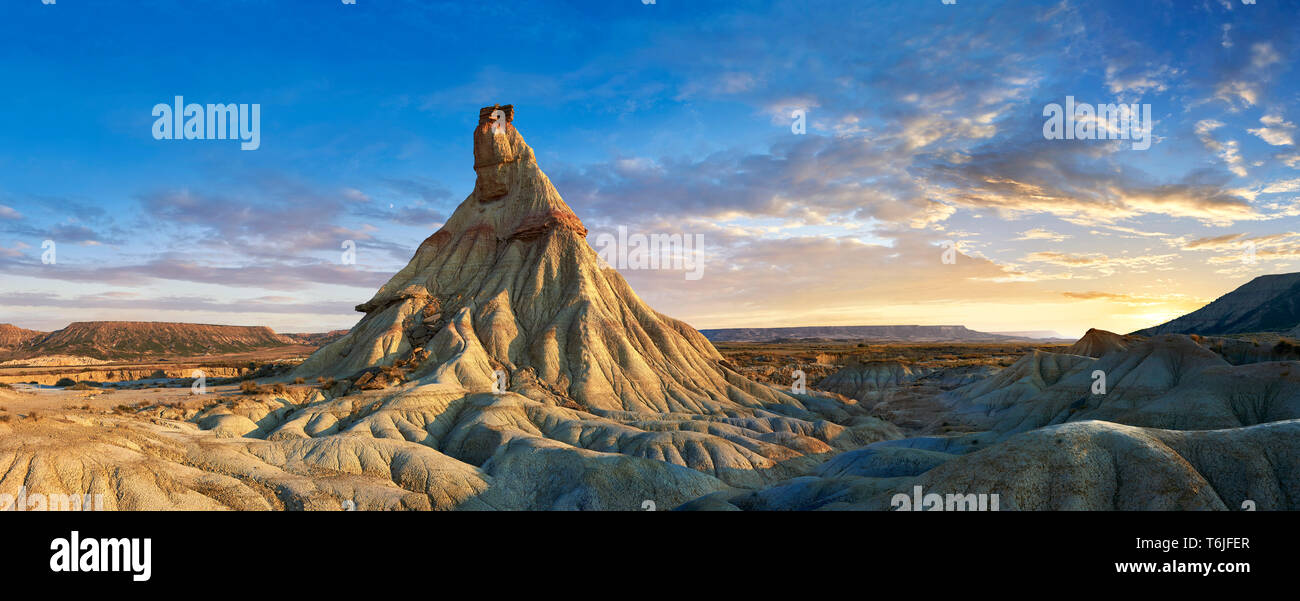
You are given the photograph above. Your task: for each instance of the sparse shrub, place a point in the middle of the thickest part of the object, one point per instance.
(5, 418)
(1284, 347)
(299, 381)
(65, 382)
(249, 387)
(5, 385)
(34, 416)
(82, 386)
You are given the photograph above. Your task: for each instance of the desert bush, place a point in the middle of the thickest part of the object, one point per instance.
(82, 386)
(5, 385)
(249, 387)
(299, 381)
(1284, 347)
(5, 418)
(65, 382)
(33, 415)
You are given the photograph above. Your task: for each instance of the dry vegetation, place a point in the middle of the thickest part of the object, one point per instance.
(773, 361)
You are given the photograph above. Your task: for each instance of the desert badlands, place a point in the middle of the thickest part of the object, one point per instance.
(506, 368)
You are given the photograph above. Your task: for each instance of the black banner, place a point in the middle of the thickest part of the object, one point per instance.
(409, 549)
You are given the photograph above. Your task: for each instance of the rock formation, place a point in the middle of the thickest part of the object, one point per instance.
(509, 283)
(870, 380)
(1090, 465)
(108, 340)
(13, 338)
(507, 349)
(1099, 343)
(1268, 303)
(1165, 382)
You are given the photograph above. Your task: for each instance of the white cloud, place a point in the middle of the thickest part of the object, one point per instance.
(1263, 54)
(1042, 234)
(1226, 150)
(1231, 91)
(1139, 81)
(1276, 131)
(1290, 185)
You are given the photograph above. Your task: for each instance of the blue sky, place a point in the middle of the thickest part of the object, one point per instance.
(924, 124)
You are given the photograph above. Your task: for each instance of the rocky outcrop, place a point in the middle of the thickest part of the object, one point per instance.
(1269, 303)
(1090, 465)
(138, 339)
(14, 338)
(1099, 343)
(1165, 382)
(870, 380)
(509, 283)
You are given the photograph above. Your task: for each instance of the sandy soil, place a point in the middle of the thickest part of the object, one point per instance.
(23, 399)
(228, 365)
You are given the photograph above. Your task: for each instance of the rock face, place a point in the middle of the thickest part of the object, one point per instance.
(509, 283)
(315, 338)
(1090, 465)
(1269, 303)
(14, 338)
(1099, 343)
(870, 381)
(1096, 465)
(136, 339)
(1165, 382)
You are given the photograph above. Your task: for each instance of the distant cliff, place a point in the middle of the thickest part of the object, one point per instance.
(138, 339)
(904, 333)
(1268, 303)
(13, 337)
